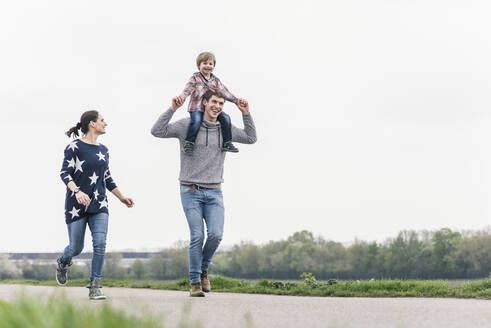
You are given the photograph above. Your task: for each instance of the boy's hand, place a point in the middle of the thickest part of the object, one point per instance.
(176, 103)
(182, 97)
(242, 101)
(243, 106)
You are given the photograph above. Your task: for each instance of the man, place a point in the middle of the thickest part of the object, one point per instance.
(201, 177)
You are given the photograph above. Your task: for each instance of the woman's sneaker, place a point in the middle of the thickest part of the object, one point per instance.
(95, 290)
(62, 272)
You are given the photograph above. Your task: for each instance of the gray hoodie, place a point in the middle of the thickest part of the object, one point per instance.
(205, 166)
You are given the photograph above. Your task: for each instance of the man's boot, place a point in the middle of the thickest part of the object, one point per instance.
(205, 282)
(196, 290)
(62, 272)
(95, 290)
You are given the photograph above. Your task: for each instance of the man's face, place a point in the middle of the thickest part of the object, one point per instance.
(213, 108)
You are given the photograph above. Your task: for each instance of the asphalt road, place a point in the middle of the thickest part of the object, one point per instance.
(245, 310)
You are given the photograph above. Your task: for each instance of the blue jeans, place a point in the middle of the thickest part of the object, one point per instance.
(76, 233)
(199, 206)
(197, 118)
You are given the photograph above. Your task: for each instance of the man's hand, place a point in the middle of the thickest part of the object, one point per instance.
(177, 102)
(243, 106)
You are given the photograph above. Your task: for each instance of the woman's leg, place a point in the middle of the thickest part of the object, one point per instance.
(76, 235)
(98, 226)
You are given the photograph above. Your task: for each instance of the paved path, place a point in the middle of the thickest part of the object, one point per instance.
(245, 310)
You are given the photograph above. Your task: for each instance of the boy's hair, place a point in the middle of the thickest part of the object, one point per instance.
(213, 92)
(204, 56)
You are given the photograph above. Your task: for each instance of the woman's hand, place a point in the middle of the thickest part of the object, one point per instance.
(82, 198)
(127, 201)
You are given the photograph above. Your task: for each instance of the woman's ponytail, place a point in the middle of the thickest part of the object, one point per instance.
(85, 119)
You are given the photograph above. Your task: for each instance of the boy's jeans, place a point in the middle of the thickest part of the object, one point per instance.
(202, 205)
(197, 118)
(76, 234)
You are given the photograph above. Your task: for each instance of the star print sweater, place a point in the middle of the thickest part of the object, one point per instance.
(88, 166)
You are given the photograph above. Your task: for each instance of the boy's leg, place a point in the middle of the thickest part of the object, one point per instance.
(194, 125)
(226, 127)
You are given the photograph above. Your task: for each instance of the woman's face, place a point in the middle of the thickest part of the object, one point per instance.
(99, 126)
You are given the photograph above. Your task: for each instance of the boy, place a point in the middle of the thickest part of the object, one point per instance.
(197, 85)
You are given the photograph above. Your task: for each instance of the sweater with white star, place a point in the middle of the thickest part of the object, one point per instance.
(87, 166)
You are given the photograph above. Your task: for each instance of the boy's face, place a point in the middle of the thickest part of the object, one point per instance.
(213, 108)
(206, 67)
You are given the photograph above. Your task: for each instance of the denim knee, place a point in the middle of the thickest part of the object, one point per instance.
(215, 236)
(99, 246)
(224, 118)
(196, 239)
(76, 250)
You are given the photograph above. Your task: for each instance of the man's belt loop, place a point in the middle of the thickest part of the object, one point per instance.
(193, 188)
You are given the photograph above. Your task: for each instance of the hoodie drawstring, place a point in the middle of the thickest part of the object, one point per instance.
(219, 138)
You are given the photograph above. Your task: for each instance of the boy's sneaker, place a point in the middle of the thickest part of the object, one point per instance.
(229, 146)
(205, 282)
(62, 272)
(196, 290)
(95, 290)
(188, 147)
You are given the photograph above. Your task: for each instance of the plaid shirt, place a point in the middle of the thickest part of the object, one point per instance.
(198, 85)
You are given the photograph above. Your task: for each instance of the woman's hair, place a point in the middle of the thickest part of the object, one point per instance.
(85, 119)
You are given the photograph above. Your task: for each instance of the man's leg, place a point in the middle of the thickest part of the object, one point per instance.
(214, 214)
(192, 205)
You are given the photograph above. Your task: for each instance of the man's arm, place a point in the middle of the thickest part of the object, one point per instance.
(247, 135)
(162, 128)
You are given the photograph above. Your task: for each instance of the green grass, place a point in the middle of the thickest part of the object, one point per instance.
(364, 288)
(30, 312)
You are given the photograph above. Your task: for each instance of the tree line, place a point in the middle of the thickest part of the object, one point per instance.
(440, 254)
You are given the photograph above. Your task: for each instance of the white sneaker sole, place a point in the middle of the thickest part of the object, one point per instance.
(59, 283)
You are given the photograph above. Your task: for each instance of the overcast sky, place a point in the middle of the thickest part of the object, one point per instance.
(372, 116)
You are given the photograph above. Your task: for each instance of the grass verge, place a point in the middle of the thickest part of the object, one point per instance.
(366, 288)
(31, 312)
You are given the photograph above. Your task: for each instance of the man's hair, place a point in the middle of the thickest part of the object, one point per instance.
(213, 92)
(204, 56)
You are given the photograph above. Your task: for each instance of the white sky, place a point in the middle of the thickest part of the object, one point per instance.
(372, 116)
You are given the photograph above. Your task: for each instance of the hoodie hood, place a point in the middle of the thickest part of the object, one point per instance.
(211, 127)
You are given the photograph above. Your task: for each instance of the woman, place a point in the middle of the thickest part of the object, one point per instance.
(85, 171)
